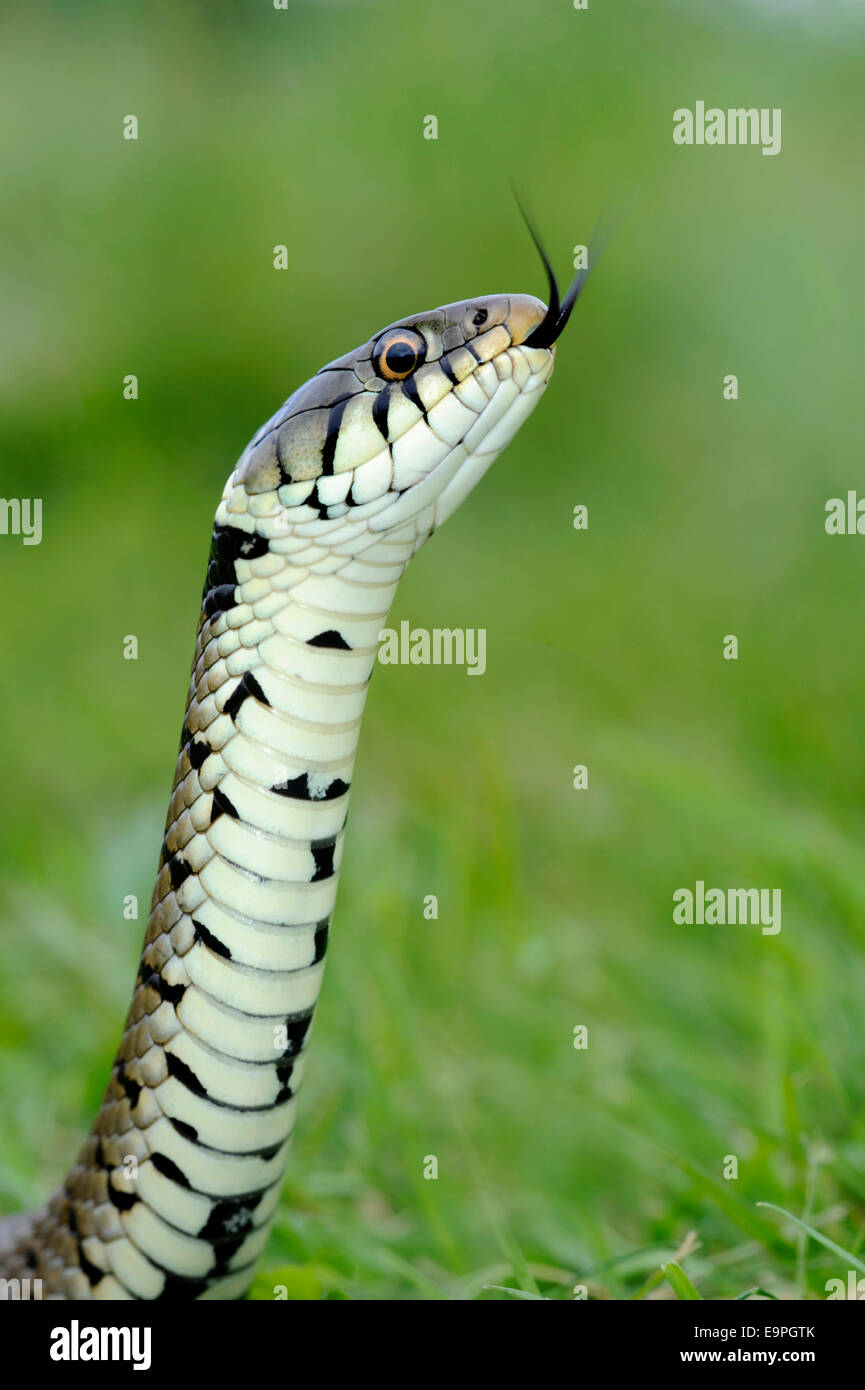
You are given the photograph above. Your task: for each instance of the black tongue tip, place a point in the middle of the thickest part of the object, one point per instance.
(558, 313)
(552, 324)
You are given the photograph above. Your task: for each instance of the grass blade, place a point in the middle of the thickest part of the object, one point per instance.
(817, 1235)
(679, 1281)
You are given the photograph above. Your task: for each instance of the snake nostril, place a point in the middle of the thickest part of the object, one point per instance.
(480, 316)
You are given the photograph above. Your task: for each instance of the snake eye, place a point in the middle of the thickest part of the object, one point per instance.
(398, 353)
(480, 317)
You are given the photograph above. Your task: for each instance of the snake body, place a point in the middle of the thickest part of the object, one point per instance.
(174, 1189)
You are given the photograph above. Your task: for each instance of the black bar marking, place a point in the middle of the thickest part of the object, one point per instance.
(219, 600)
(172, 994)
(410, 391)
(322, 853)
(334, 420)
(380, 407)
(197, 752)
(228, 1219)
(123, 1201)
(321, 935)
(246, 686)
(169, 1169)
(284, 1070)
(270, 1153)
(178, 1288)
(296, 1029)
(298, 789)
(185, 1075)
(225, 1252)
(91, 1271)
(179, 870)
(184, 1130)
(210, 941)
(444, 363)
(132, 1087)
(332, 639)
(313, 500)
(228, 544)
(221, 806)
(267, 1153)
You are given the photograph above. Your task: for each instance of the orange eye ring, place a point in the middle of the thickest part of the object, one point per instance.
(398, 353)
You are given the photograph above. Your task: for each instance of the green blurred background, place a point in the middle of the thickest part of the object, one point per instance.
(454, 1037)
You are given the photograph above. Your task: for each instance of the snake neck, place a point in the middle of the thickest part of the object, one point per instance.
(173, 1192)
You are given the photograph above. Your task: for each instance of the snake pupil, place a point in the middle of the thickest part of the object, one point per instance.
(400, 358)
(398, 353)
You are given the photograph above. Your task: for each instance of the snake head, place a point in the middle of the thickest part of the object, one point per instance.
(410, 420)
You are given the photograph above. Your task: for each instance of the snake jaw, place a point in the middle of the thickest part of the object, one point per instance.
(360, 440)
(531, 369)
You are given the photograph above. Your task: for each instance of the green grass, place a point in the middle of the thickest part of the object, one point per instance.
(453, 1038)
